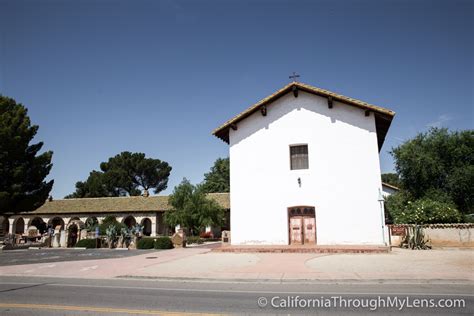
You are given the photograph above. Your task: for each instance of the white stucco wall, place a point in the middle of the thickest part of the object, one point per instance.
(342, 182)
(387, 191)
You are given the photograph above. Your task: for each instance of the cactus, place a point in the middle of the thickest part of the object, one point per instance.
(136, 230)
(416, 239)
(111, 233)
(126, 235)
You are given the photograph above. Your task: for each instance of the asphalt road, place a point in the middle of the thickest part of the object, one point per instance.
(28, 256)
(54, 296)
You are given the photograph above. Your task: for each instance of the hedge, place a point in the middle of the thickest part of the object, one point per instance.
(146, 243)
(163, 243)
(88, 243)
(157, 243)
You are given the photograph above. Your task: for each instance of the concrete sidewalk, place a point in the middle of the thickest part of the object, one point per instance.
(201, 263)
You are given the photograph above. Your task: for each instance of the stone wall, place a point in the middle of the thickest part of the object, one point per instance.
(442, 235)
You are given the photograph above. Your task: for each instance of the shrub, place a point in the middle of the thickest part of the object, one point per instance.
(427, 211)
(194, 240)
(146, 243)
(88, 243)
(163, 243)
(395, 204)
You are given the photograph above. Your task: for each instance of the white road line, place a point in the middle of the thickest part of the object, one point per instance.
(253, 292)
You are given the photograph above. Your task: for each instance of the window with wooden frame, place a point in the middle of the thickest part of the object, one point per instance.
(299, 157)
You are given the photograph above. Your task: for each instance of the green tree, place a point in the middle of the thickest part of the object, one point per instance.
(125, 174)
(391, 178)
(440, 164)
(191, 208)
(108, 222)
(129, 171)
(218, 178)
(94, 186)
(22, 169)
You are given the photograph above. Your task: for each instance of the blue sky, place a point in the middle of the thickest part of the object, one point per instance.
(101, 77)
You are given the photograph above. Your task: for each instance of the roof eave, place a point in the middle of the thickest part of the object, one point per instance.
(390, 186)
(387, 115)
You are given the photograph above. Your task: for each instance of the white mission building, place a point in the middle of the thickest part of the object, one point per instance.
(304, 169)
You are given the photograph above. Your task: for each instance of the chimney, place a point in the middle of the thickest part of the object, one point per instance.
(145, 193)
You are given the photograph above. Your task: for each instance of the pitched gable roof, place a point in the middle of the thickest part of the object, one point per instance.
(383, 117)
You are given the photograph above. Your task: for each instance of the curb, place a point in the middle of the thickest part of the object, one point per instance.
(299, 281)
(266, 281)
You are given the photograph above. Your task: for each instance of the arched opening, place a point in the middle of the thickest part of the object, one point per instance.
(146, 223)
(39, 224)
(19, 226)
(55, 222)
(129, 221)
(73, 232)
(73, 219)
(91, 223)
(74, 228)
(4, 226)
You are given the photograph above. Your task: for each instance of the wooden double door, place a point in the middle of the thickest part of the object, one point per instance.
(302, 225)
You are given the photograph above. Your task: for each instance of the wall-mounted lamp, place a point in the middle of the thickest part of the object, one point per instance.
(299, 181)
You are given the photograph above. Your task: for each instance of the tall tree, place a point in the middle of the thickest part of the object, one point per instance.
(439, 164)
(218, 178)
(191, 208)
(94, 186)
(125, 174)
(22, 169)
(129, 171)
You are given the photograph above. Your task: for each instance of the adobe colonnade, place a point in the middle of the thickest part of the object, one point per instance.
(18, 224)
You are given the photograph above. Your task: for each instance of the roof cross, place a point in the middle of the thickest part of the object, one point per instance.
(294, 76)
